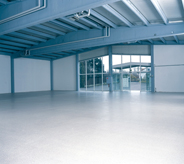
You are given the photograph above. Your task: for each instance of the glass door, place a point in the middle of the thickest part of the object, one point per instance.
(135, 81)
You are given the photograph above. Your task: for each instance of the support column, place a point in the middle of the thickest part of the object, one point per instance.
(51, 75)
(110, 68)
(12, 75)
(77, 73)
(152, 70)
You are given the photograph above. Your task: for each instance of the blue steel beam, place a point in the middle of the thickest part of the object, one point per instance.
(5, 53)
(102, 18)
(7, 50)
(68, 27)
(25, 36)
(35, 57)
(160, 11)
(149, 40)
(39, 33)
(77, 73)
(51, 76)
(117, 15)
(45, 56)
(136, 11)
(94, 38)
(90, 23)
(51, 12)
(163, 40)
(176, 39)
(53, 54)
(11, 47)
(75, 23)
(152, 70)
(10, 38)
(14, 43)
(50, 29)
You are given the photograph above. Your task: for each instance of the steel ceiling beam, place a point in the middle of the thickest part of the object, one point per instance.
(176, 39)
(10, 38)
(50, 29)
(103, 19)
(75, 23)
(7, 50)
(64, 25)
(86, 39)
(163, 40)
(38, 33)
(51, 12)
(117, 15)
(27, 36)
(160, 11)
(90, 23)
(129, 4)
(149, 40)
(14, 43)
(11, 47)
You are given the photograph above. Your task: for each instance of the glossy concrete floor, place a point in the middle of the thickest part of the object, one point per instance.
(91, 128)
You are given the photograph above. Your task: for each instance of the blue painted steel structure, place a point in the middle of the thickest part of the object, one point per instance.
(51, 75)
(110, 67)
(77, 73)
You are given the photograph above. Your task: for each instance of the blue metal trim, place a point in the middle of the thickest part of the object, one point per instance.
(163, 40)
(11, 47)
(12, 75)
(176, 38)
(51, 75)
(5, 53)
(7, 50)
(152, 70)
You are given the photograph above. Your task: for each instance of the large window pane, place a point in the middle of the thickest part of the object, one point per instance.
(126, 59)
(98, 65)
(106, 64)
(135, 68)
(98, 82)
(126, 81)
(116, 82)
(145, 69)
(105, 85)
(82, 67)
(145, 59)
(145, 82)
(135, 81)
(82, 82)
(90, 86)
(90, 66)
(135, 58)
(116, 59)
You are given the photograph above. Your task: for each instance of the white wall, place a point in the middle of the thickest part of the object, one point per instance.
(31, 75)
(5, 74)
(169, 68)
(64, 73)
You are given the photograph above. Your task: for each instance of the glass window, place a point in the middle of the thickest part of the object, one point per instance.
(116, 59)
(126, 70)
(145, 69)
(105, 85)
(145, 81)
(126, 59)
(82, 67)
(98, 82)
(135, 58)
(98, 65)
(90, 86)
(106, 64)
(145, 59)
(82, 82)
(135, 68)
(90, 66)
(116, 82)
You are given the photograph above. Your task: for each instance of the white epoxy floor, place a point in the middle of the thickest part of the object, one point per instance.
(92, 128)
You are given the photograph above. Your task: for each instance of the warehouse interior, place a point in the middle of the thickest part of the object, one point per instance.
(94, 81)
